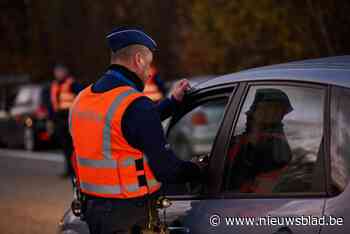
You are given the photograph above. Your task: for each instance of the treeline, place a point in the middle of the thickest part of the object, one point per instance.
(195, 36)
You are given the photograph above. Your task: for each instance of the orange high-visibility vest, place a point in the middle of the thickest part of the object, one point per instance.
(62, 96)
(107, 166)
(152, 91)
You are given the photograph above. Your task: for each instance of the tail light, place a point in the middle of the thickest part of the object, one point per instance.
(19, 119)
(41, 112)
(44, 136)
(199, 118)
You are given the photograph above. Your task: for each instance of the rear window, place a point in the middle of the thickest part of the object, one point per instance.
(276, 147)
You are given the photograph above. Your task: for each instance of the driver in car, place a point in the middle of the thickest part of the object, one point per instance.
(259, 156)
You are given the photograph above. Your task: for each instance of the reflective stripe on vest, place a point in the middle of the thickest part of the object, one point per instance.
(121, 166)
(107, 164)
(109, 117)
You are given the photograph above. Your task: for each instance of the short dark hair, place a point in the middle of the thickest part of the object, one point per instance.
(126, 53)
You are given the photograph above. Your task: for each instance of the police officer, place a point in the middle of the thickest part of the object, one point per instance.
(122, 155)
(63, 90)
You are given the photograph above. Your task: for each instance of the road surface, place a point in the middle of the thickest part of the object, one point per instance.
(33, 195)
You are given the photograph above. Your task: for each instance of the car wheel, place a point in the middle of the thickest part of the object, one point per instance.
(29, 139)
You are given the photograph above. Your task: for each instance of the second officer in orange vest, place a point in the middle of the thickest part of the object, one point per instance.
(63, 90)
(121, 152)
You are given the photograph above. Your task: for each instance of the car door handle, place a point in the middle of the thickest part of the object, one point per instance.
(284, 230)
(179, 229)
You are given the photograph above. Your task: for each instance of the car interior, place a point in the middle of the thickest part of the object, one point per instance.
(298, 173)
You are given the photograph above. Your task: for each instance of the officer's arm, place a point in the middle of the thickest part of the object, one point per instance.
(77, 87)
(160, 83)
(142, 129)
(167, 107)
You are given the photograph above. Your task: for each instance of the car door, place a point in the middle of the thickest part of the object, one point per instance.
(192, 132)
(337, 205)
(299, 191)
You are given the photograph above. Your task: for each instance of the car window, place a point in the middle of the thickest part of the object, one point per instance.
(276, 144)
(340, 139)
(194, 134)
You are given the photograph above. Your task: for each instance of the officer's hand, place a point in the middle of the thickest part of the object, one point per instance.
(196, 185)
(201, 161)
(202, 166)
(180, 88)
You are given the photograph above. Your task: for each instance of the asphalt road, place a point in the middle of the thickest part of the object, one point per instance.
(33, 195)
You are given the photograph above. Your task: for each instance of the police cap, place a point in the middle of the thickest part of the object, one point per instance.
(124, 36)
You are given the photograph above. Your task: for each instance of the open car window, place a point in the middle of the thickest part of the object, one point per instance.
(193, 134)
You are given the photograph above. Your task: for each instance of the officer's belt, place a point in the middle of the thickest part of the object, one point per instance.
(137, 200)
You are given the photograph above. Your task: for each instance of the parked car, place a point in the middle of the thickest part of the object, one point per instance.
(27, 124)
(315, 129)
(8, 89)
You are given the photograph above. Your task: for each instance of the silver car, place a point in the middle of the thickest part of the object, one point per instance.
(27, 124)
(299, 159)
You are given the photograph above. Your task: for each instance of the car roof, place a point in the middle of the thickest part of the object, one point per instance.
(330, 70)
(199, 79)
(194, 81)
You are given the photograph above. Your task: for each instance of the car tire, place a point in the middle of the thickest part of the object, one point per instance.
(29, 139)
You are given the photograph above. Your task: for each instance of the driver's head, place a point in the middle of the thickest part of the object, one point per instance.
(269, 107)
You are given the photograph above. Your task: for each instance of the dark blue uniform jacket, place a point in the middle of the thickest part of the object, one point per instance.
(141, 127)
